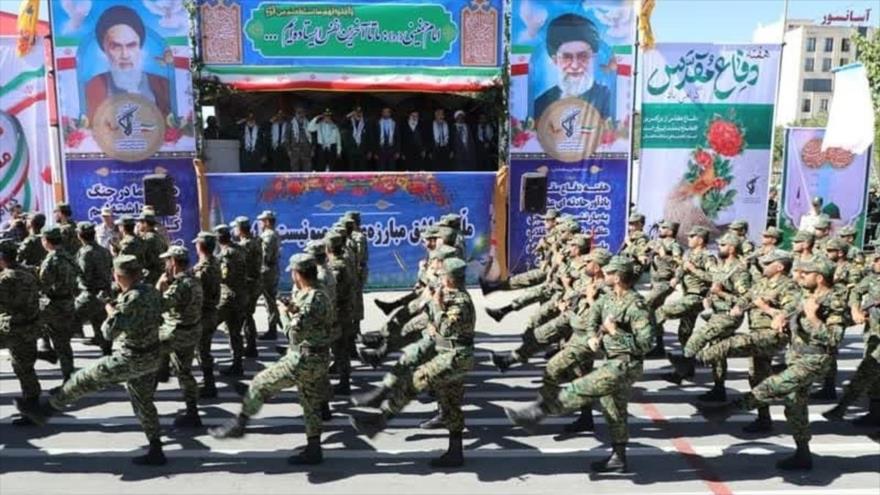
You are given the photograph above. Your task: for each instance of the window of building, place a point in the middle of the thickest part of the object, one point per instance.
(805, 106)
(844, 45)
(826, 65)
(829, 44)
(817, 85)
(844, 61)
(823, 105)
(811, 44)
(809, 64)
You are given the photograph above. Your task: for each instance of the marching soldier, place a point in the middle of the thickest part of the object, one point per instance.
(802, 246)
(543, 251)
(233, 296)
(64, 222)
(740, 228)
(207, 271)
(636, 244)
(31, 251)
(129, 243)
(665, 257)
(821, 233)
(154, 246)
(344, 275)
(429, 237)
(271, 251)
(253, 267)
(95, 281)
(58, 274)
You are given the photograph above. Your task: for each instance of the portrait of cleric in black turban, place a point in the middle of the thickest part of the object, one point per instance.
(572, 44)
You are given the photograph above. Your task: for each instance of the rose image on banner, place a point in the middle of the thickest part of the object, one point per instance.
(706, 131)
(837, 176)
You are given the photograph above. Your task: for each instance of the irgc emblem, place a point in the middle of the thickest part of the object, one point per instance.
(129, 128)
(570, 129)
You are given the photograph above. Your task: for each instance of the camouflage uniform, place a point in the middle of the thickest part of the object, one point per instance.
(253, 259)
(95, 271)
(133, 327)
(664, 263)
(867, 375)
(133, 245)
(233, 297)
(154, 246)
(636, 249)
(207, 271)
(181, 329)
(58, 275)
(19, 325)
(271, 250)
(346, 290)
(31, 252)
(695, 284)
(69, 241)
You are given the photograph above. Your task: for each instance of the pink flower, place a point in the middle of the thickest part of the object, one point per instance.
(703, 159)
(725, 137)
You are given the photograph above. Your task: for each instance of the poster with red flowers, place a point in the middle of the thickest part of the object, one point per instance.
(707, 129)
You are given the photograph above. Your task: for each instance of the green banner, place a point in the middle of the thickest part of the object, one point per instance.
(335, 30)
(685, 125)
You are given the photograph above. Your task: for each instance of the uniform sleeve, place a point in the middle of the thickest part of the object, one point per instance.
(704, 272)
(830, 331)
(588, 323)
(175, 296)
(450, 321)
(858, 292)
(741, 282)
(641, 325)
(122, 318)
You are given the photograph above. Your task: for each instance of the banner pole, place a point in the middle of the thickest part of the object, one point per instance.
(632, 118)
(59, 185)
(773, 121)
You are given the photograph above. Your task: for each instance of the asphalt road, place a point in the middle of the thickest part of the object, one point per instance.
(672, 451)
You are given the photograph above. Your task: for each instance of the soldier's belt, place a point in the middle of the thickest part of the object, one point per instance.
(810, 349)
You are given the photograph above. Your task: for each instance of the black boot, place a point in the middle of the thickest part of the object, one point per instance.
(673, 377)
(584, 422)
(498, 314)
(370, 398)
(453, 456)
(372, 339)
(271, 334)
(835, 413)
(873, 416)
(615, 463)
(48, 355)
(163, 374)
(31, 403)
(369, 423)
(250, 347)
(802, 460)
(527, 417)
(373, 357)
(386, 307)
(717, 412)
(312, 454)
(684, 366)
(234, 428)
(189, 418)
(106, 349)
(717, 394)
(503, 361)
(38, 411)
(827, 392)
(326, 415)
(235, 369)
(153, 457)
(659, 349)
(434, 422)
(343, 388)
(761, 424)
(281, 349)
(488, 288)
(209, 388)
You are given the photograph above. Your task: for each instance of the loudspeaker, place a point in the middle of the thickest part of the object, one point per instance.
(533, 194)
(159, 193)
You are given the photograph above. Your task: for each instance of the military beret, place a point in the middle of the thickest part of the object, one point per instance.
(619, 264)
(205, 237)
(729, 240)
(699, 231)
(127, 263)
(242, 220)
(340, 229)
(316, 247)
(177, 252)
(125, 220)
(776, 255)
(221, 229)
(455, 267)
(36, 216)
(301, 262)
(580, 240)
(85, 227)
(442, 253)
(738, 225)
(823, 222)
(106, 211)
(803, 236)
(600, 255)
(452, 220)
(147, 216)
(636, 217)
(63, 208)
(847, 231)
(53, 234)
(836, 245)
(431, 232)
(266, 215)
(551, 214)
(8, 249)
(772, 232)
(819, 264)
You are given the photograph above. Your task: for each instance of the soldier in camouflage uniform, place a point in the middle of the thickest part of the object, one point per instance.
(64, 222)
(148, 210)
(95, 280)
(133, 326)
(821, 234)
(253, 267)
(307, 322)
(429, 237)
(233, 297)
(453, 221)
(345, 276)
(864, 300)
(439, 362)
(727, 296)
(58, 275)
(154, 246)
(740, 228)
(664, 260)
(271, 250)
(618, 325)
(774, 294)
(181, 328)
(769, 243)
(696, 278)
(802, 246)
(19, 323)
(207, 271)
(855, 255)
(363, 245)
(817, 330)
(327, 283)
(31, 251)
(129, 242)
(635, 246)
(359, 265)
(543, 252)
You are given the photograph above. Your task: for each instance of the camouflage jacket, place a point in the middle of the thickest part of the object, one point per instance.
(634, 332)
(19, 301)
(133, 245)
(308, 322)
(95, 268)
(31, 251)
(327, 282)
(69, 240)
(182, 301)
(636, 248)
(780, 293)
(58, 275)
(345, 289)
(270, 245)
(455, 320)
(154, 246)
(698, 280)
(867, 293)
(252, 247)
(666, 259)
(233, 279)
(207, 271)
(735, 281)
(828, 334)
(134, 323)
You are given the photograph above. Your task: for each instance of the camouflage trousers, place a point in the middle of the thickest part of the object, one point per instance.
(719, 326)
(654, 299)
(760, 344)
(792, 387)
(269, 291)
(527, 279)
(231, 314)
(138, 372)
(393, 328)
(546, 311)
(252, 295)
(88, 308)
(178, 349)
(866, 379)
(307, 373)
(611, 383)
(538, 294)
(343, 347)
(574, 360)
(22, 344)
(686, 310)
(443, 375)
(534, 339)
(57, 316)
(209, 326)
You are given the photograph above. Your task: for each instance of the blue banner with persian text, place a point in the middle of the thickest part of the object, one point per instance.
(593, 191)
(394, 208)
(94, 184)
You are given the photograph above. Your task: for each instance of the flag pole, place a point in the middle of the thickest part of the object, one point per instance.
(780, 205)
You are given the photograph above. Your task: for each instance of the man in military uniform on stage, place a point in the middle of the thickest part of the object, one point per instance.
(271, 250)
(181, 328)
(233, 296)
(133, 326)
(253, 268)
(439, 362)
(95, 281)
(19, 323)
(154, 246)
(64, 222)
(307, 322)
(58, 274)
(665, 258)
(207, 271)
(620, 327)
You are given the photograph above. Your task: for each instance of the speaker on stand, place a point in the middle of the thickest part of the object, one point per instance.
(533, 193)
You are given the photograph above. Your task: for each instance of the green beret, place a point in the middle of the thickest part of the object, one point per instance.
(85, 227)
(127, 263)
(836, 245)
(551, 214)
(266, 215)
(803, 236)
(347, 221)
(619, 264)
(636, 217)
(442, 253)
(738, 225)
(823, 222)
(53, 234)
(772, 232)
(776, 255)
(354, 214)
(819, 264)
(242, 221)
(340, 229)
(452, 220)
(699, 231)
(205, 237)
(301, 262)
(847, 231)
(729, 240)
(179, 253)
(455, 268)
(600, 255)
(572, 227)
(125, 220)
